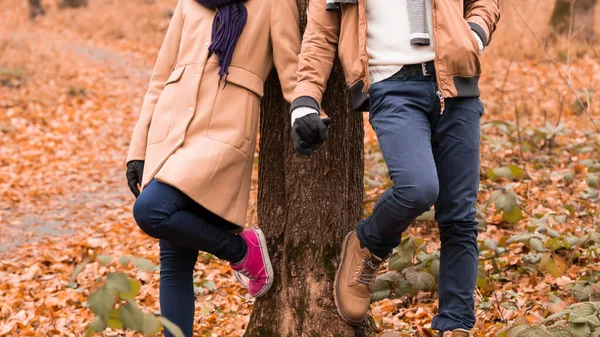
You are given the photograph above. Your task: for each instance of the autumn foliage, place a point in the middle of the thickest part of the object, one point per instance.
(71, 84)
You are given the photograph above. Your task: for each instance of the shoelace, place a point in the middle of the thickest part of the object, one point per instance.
(243, 277)
(368, 272)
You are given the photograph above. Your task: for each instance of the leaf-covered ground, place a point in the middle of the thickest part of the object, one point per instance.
(71, 85)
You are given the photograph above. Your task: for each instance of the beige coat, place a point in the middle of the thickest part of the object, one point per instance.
(197, 136)
(457, 63)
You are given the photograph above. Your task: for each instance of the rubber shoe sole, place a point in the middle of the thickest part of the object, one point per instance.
(266, 261)
(338, 305)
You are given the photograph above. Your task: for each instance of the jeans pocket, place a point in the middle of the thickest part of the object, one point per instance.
(373, 113)
(375, 98)
(481, 107)
(371, 121)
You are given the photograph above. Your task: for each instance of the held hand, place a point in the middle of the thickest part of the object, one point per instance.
(309, 130)
(135, 169)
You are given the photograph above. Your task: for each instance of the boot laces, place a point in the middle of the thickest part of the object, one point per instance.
(367, 271)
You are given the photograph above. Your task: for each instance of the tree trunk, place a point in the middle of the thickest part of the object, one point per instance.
(583, 18)
(35, 9)
(305, 207)
(73, 3)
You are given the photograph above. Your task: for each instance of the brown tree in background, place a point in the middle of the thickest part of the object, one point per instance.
(582, 16)
(35, 9)
(73, 3)
(306, 206)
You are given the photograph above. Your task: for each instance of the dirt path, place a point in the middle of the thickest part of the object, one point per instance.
(71, 87)
(64, 213)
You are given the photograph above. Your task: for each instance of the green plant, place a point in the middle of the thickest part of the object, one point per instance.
(578, 320)
(114, 306)
(507, 203)
(547, 246)
(411, 269)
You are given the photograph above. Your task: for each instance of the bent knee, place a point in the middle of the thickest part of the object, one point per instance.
(147, 217)
(420, 196)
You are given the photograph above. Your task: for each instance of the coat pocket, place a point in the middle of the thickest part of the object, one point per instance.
(473, 39)
(253, 107)
(171, 99)
(230, 121)
(234, 118)
(471, 57)
(459, 55)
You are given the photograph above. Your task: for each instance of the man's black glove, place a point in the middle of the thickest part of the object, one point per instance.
(309, 133)
(135, 169)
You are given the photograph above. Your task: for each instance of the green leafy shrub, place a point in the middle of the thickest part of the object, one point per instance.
(411, 269)
(114, 306)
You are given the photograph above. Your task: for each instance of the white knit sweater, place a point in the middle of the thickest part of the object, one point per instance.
(388, 38)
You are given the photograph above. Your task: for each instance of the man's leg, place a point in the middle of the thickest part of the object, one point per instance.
(455, 142)
(399, 115)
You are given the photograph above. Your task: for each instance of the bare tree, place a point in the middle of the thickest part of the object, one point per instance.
(306, 207)
(35, 9)
(583, 17)
(73, 3)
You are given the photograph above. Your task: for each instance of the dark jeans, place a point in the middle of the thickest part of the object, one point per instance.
(184, 228)
(432, 158)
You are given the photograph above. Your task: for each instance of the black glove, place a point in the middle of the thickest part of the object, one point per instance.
(309, 133)
(135, 169)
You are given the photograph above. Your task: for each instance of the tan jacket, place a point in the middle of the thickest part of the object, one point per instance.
(457, 54)
(196, 136)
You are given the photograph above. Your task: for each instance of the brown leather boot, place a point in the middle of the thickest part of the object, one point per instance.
(458, 333)
(354, 280)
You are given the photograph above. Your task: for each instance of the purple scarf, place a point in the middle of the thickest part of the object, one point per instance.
(227, 27)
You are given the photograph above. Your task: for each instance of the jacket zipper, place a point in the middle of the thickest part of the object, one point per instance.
(435, 63)
(442, 101)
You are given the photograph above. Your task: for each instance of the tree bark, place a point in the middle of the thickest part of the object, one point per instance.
(35, 9)
(583, 18)
(73, 3)
(305, 207)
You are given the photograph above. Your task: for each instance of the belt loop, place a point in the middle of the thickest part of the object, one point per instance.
(403, 74)
(424, 68)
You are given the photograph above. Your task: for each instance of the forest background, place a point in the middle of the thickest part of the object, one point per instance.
(72, 77)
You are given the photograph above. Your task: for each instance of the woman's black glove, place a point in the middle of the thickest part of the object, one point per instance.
(135, 169)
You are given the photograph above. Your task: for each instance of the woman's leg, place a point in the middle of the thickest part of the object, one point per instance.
(166, 213)
(177, 285)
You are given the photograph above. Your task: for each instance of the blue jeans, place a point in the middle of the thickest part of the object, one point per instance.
(184, 227)
(432, 159)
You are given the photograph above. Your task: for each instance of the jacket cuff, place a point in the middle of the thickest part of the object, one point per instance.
(480, 32)
(304, 101)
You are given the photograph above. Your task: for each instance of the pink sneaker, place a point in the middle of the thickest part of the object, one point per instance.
(256, 266)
